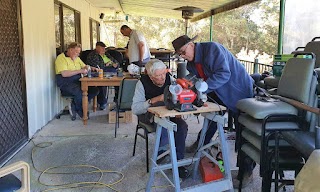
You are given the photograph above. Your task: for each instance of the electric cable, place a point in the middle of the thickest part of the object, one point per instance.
(85, 184)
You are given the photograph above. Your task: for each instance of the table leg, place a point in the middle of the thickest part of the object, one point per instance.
(84, 87)
(95, 104)
(174, 162)
(154, 158)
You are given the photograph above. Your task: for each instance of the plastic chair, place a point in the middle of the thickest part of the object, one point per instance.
(146, 130)
(9, 183)
(125, 96)
(261, 119)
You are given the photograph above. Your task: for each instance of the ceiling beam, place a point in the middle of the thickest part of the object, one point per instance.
(223, 8)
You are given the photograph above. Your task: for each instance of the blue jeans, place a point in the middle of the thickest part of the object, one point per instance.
(74, 89)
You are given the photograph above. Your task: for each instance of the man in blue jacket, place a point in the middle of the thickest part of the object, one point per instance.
(228, 82)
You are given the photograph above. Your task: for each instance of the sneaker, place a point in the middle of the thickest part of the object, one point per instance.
(192, 148)
(103, 106)
(247, 179)
(183, 172)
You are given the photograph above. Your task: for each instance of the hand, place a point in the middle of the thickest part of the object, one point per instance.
(139, 63)
(84, 71)
(94, 69)
(109, 63)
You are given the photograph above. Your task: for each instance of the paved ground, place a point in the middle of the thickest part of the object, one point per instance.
(81, 149)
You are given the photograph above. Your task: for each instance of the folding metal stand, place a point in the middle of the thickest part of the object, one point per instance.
(224, 184)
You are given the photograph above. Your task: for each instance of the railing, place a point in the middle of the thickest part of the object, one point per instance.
(255, 67)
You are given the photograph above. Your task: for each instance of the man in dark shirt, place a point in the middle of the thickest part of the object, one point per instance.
(99, 57)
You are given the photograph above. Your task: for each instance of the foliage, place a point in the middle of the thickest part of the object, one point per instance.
(249, 29)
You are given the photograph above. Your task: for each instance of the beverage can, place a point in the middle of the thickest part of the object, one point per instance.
(100, 72)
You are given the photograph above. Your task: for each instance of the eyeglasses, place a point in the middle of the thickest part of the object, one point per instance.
(184, 51)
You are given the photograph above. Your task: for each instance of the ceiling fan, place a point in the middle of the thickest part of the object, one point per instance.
(187, 13)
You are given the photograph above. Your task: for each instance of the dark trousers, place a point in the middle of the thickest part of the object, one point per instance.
(74, 89)
(102, 96)
(249, 164)
(179, 136)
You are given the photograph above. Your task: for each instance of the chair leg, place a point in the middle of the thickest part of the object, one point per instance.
(117, 121)
(147, 148)
(241, 157)
(266, 181)
(135, 141)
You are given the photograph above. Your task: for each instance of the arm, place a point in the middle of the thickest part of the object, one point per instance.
(139, 103)
(70, 73)
(219, 65)
(141, 50)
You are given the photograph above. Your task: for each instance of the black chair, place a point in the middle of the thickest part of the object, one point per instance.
(84, 54)
(124, 102)
(261, 119)
(146, 130)
(116, 55)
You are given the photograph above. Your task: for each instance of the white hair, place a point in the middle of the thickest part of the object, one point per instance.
(153, 65)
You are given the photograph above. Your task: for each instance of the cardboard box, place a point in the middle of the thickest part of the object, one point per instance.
(124, 117)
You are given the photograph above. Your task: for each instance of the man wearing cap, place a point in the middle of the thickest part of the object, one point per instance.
(149, 93)
(227, 79)
(138, 50)
(99, 57)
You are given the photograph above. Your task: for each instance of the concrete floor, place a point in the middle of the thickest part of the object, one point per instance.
(93, 147)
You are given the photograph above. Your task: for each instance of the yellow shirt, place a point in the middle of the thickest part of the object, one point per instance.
(105, 59)
(63, 63)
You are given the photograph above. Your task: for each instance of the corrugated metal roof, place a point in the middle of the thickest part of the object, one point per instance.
(153, 8)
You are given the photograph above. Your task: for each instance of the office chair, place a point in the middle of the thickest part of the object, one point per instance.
(124, 102)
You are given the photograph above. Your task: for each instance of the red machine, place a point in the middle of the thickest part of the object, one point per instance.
(182, 94)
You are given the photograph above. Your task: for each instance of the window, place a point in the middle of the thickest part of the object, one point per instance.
(67, 26)
(94, 32)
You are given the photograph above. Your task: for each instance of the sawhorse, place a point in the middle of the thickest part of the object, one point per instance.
(224, 184)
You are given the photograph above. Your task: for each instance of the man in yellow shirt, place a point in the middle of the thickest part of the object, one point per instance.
(69, 68)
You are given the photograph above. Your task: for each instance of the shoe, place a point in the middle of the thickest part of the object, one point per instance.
(247, 179)
(183, 172)
(192, 148)
(103, 106)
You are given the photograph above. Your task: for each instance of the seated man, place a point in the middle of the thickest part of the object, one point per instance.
(69, 68)
(99, 57)
(149, 92)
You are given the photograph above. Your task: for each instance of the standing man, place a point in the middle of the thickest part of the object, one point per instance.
(138, 50)
(228, 82)
(69, 68)
(149, 93)
(99, 57)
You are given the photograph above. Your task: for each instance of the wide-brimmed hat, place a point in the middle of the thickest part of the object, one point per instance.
(101, 44)
(181, 41)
